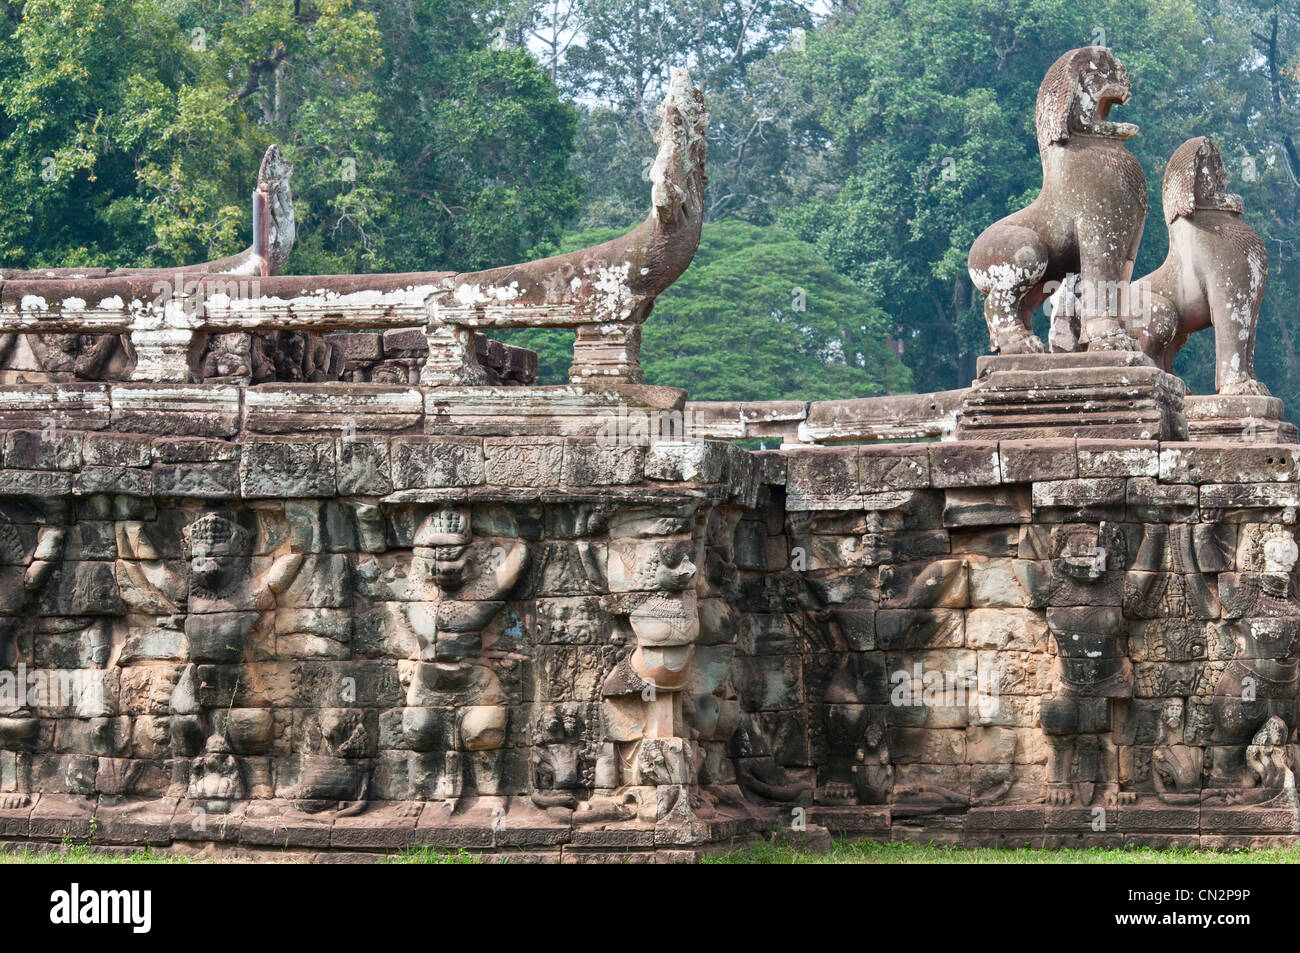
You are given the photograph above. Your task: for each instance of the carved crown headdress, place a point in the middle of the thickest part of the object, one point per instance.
(215, 533)
(448, 525)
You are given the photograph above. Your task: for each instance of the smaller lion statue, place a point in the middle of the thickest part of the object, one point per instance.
(1213, 275)
(1086, 221)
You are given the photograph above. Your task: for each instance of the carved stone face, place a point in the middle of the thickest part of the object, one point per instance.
(211, 572)
(1172, 714)
(216, 547)
(1083, 556)
(1280, 552)
(1212, 181)
(1197, 179)
(1102, 85)
(228, 355)
(557, 767)
(666, 619)
(441, 547)
(1078, 94)
(445, 566)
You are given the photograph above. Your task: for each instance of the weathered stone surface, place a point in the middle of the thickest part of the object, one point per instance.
(1028, 461)
(1082, 499)
(587, 463)
(205, 481)
(437, 462)
(987, 507)
(1228, 463)
(1093, 395)
(531, 462)
(968, 463)
(823, 478)
(1149, 501)
(363, 468)
(893, 467)
(289, 467)
(1118, 458)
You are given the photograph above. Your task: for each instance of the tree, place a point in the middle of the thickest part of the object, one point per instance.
(479, 140)
(759, 315)
(115, 151)
(618, 66)
(132, 132)
(1255, 130)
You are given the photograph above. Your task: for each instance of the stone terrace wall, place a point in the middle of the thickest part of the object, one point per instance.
(321, 642)
(585, 650)
(1120, 615)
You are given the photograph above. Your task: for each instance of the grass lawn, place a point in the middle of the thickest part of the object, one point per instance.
(867, 852)
(86, 854)
(842, 852)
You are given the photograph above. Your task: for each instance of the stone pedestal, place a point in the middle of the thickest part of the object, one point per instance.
(1106, 394)
(1248, 419)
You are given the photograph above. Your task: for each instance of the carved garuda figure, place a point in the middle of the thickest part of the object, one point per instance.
(1087, 220)
(1213, 275)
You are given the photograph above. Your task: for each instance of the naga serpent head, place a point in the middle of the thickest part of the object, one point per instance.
(1197, 179)
(274, 201)
(1077, 95)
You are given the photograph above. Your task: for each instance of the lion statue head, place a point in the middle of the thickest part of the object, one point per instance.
(1196, 179)
(1077, 95)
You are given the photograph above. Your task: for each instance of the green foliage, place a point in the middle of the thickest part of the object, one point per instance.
(480, 141)
(619, 67)
(114, 151)
(759, 315)
(133, 130)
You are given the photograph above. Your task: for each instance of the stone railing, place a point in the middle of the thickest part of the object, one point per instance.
(163, 318)
(166, 317)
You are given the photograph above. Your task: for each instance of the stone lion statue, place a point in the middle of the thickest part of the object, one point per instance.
(1213, 275)
(1086, 221)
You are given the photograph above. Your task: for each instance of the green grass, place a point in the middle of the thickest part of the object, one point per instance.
(842, 852)
(867, 852)
(432, 855)
(86, 854)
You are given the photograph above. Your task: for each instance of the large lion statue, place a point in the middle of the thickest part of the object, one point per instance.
(1213, 275)
(1086, 221)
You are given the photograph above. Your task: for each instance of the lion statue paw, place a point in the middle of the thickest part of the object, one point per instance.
(1244, 386)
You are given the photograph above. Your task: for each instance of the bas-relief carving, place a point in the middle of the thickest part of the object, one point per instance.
(1092, 662)
(697, 705)
(269, 356)
(653, 573)
(26, 572)
(226, 601)
(453, 589)
(1196, 716)
(227, 597)
(1254, 705)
